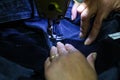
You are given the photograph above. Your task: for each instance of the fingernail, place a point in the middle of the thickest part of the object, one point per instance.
(53, 47)
(72, 17)
(81, 35)
(87, 42)
(60, 43)
(94, 55)
(68, 45)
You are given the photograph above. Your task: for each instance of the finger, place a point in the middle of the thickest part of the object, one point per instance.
(61, 49)
(53, 53)
(102, 14)
(74, 10)
(85, 21)
(47, 63)
(70, 48)
(91, 59)
(82, 7)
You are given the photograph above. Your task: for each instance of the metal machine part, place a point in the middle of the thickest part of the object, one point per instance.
(53, 10)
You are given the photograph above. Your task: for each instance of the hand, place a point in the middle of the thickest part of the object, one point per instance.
(69, 64)
(89, 8)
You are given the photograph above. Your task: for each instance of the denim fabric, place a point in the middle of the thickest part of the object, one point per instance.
(26, 42)
(11, 71)
(11, 10)
(108, 53)
(111, 74)
(25, 46)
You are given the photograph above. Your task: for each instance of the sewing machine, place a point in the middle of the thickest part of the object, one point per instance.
(52, 10)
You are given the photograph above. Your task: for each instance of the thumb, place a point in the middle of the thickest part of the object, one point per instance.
(91, 59)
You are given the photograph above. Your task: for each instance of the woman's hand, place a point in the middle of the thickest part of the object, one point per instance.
(69, 64)
(89, 8)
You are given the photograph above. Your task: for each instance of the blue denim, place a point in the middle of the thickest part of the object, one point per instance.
(24, 38)
(11, 10)
(111, 74)
(22, 46)
(11, 71)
